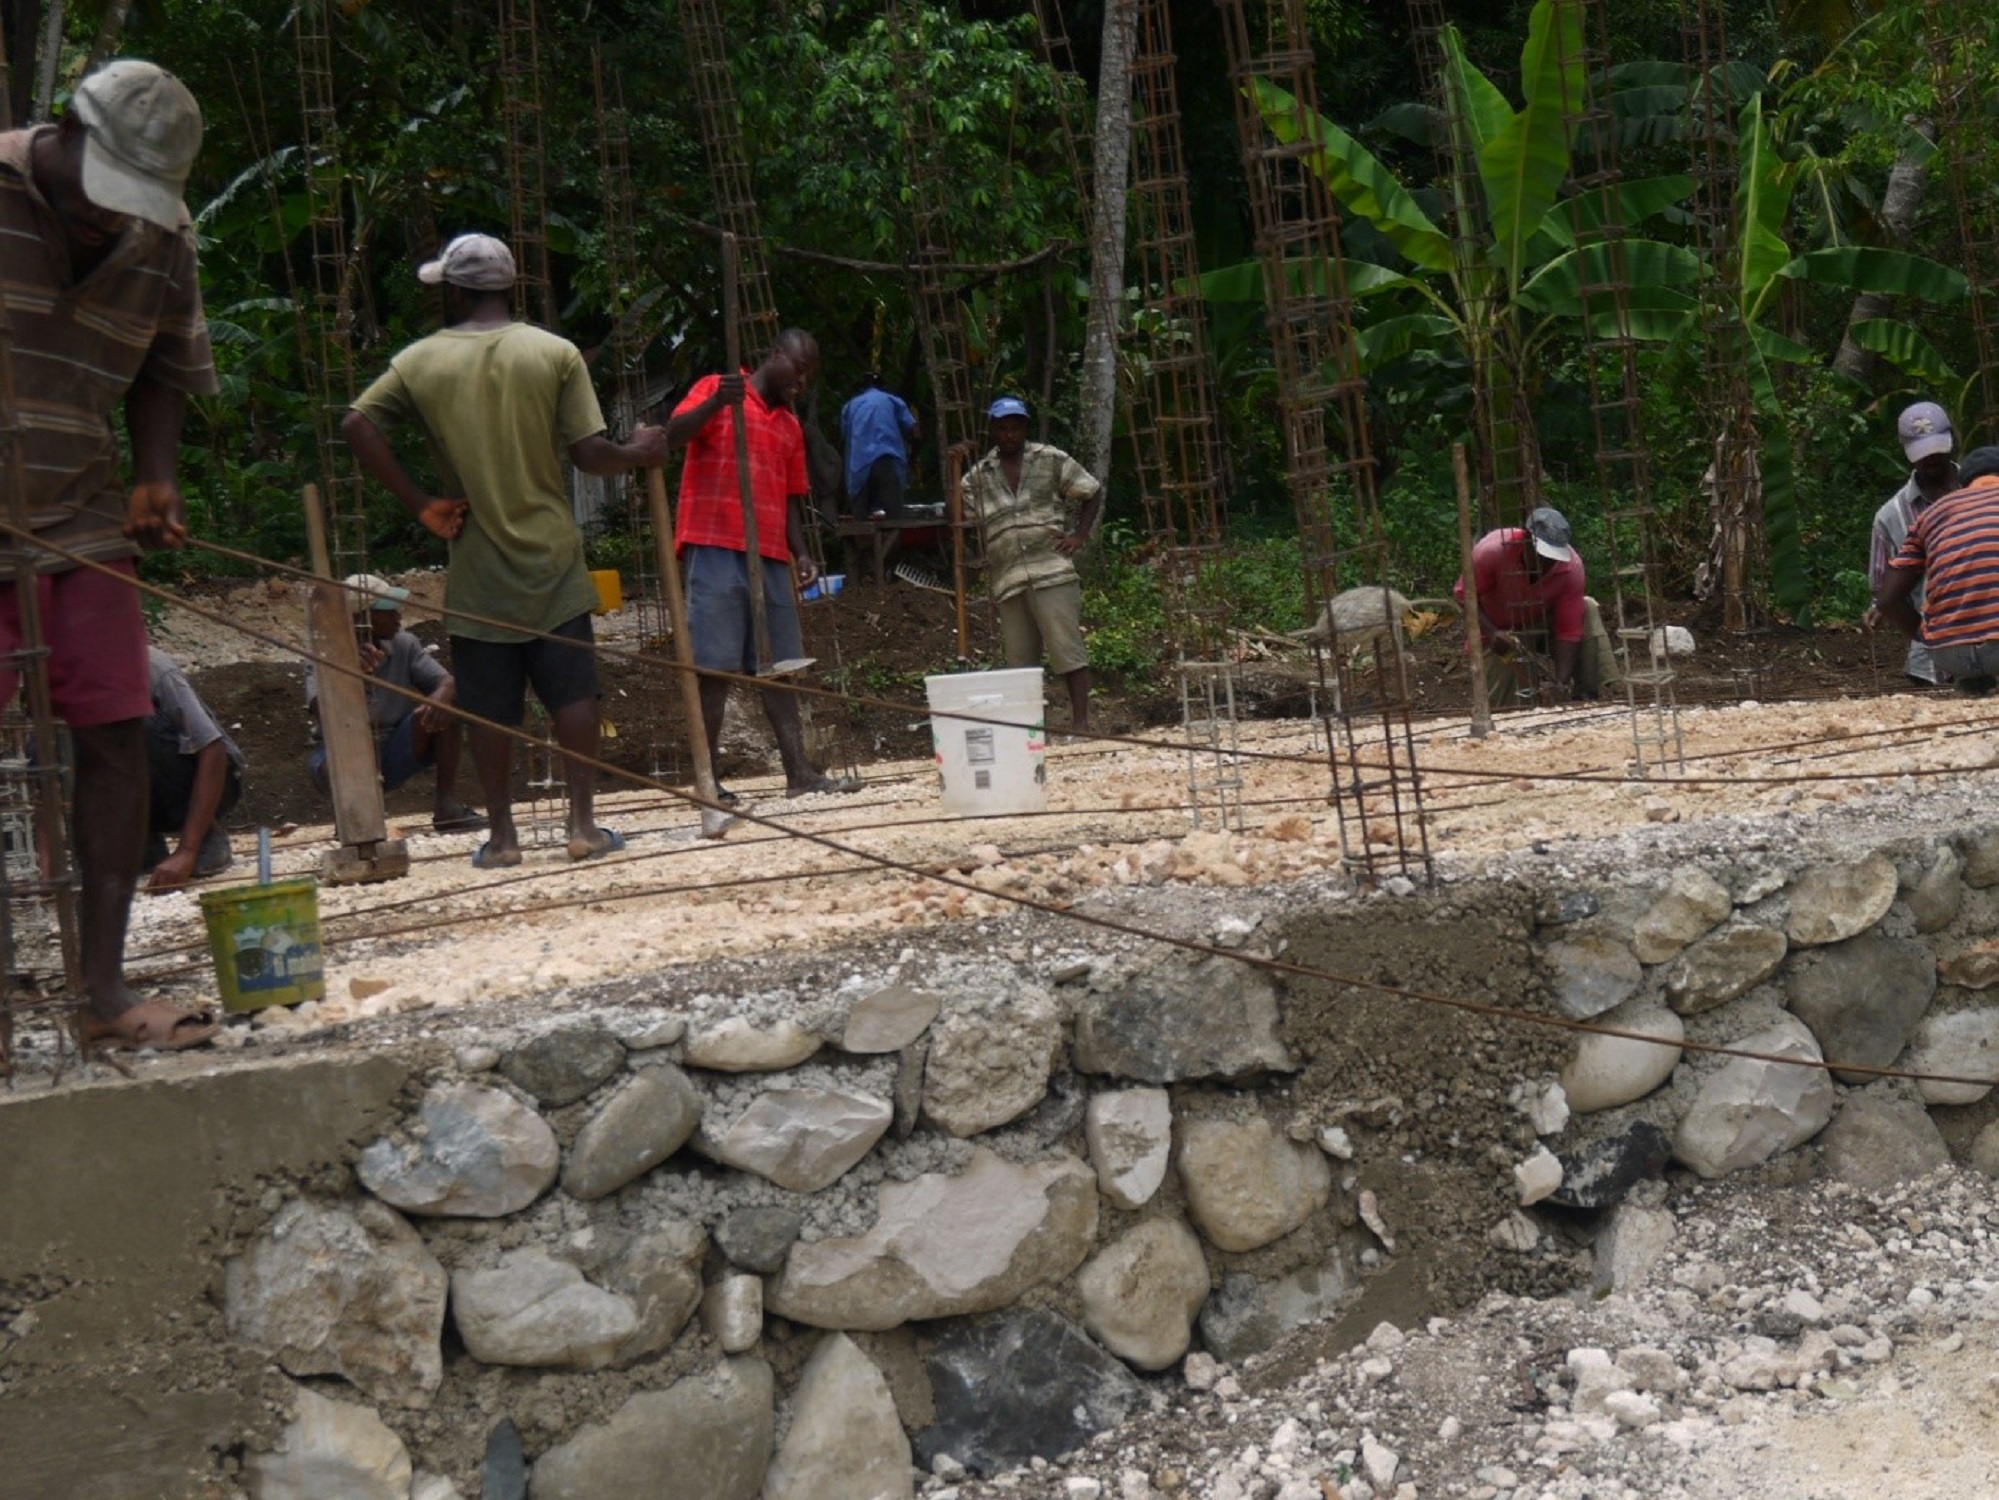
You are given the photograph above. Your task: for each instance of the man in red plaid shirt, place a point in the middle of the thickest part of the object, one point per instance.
(708, 537)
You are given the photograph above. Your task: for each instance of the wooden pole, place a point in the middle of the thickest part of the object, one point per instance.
(715, 821)
(360, 821)
(753, 563)
(954, 503)
(1481, 706)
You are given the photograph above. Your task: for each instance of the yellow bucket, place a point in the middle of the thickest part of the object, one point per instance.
(610, 590)
(265, 943)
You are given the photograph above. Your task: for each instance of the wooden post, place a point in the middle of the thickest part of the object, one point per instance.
(954, 507)
(714, 821)
(1481, 705)
(753, 562)
(367, 852)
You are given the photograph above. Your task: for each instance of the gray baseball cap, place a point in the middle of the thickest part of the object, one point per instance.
(142, 131)
(476, 261)
(1549, 529)
(1924, 430)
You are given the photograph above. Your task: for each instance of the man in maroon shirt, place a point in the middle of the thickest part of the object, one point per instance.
(710, 542)
(1531, 601)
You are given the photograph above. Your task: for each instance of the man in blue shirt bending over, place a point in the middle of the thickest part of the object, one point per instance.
(876, 429)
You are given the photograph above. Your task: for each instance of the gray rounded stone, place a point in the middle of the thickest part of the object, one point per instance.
(758, 1239)
(559, 1067)
(1591, 974)
(639, 1127)
(1140, 1293)
(1937, 895)
(1862, 998)
(1830, 903)
(1246, 1184)
(708, 1434)
(1960, 1044)
(1724, 966)
(1881, 1139)
(478, 1153)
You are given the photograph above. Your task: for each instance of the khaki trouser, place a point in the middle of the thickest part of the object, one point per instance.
(1510, 682)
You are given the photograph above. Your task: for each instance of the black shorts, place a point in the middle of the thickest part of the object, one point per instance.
(493, 676)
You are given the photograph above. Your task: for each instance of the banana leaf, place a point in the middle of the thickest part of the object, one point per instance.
(1243, 281)
(1762, 199)
(1638, 199)
(1644, 264)
(1904, 348)
(1524, 166)
(1867, 268)
(1392, 338)
(1360, 183)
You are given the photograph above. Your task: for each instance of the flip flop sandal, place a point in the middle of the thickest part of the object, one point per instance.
(726, 797)
(829, 786)
(465, 822)
(613, 842)
(497, 862)
(156, 1024)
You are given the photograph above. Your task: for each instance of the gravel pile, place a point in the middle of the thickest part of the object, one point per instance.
(1796, 1343)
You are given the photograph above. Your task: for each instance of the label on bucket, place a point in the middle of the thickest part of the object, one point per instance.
(272, 958)
(979, 747)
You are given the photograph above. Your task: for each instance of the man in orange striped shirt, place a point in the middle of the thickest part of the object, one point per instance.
(1952, 550)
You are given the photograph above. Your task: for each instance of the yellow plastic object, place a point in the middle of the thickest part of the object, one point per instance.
(610, 591)
(265, 942)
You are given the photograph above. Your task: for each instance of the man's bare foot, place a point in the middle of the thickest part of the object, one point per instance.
(156, 1023)
(488, 857)
(595, 843)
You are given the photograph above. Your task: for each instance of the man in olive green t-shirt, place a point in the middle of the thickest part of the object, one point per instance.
(500, 402)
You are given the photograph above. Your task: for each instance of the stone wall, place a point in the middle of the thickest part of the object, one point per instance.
(957, 1211)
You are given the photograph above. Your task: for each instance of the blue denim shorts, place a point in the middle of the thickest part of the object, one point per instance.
(718, 610)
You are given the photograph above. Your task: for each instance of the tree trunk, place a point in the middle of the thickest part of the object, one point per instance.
(1898, 213)
(45, 63)
(1112, 171)
(109, 30)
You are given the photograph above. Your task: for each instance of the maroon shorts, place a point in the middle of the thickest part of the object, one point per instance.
(96, 639)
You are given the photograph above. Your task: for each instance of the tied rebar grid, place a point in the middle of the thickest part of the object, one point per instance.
(1169, 391)
(527, 168)
(34, 821)
(1617, 408)
(645, 600)
(1052, 39)
(326, 327)
(1734, 480)
(1965, 126)
(1377, 789)
(729, 171)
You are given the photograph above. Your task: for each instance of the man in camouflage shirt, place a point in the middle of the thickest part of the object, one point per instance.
(1024, 493)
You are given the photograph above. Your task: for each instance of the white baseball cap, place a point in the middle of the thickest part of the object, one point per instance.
(142, 131)
(1924, 430)
(476, 261)
(378, 591)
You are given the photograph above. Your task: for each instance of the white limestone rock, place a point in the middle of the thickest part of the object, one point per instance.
(332, 1448)
(433, 1487)
(845, 1441)
(801, 1139)
(536, 1311)
(1956, 1044)
(1607, 1071)
(989, 1061)
(945, 1246)
(1937, 895)
(1748, 1111)
(889, 1019)
(735, 1046)
(1130, 1137)
(1630, 1246)
(639, 1127)
(1537, 1176)
(732, 1312)
(1830, 903)
(477, 1152)
(1548, 1112)
(1692, 903)
(708, 1434)
(1141, 1292)
(1247, 1184)
(1724, 966)
(334, 1290)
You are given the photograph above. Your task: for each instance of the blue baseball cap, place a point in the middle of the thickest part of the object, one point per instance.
(1006, 406)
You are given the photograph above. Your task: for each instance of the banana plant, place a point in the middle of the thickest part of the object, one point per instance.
(1490, 293)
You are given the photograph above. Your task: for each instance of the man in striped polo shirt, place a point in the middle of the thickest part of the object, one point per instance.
(1952, 551)
(99, 282)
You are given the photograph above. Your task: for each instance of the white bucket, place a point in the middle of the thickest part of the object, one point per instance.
(990, 768)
